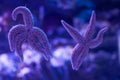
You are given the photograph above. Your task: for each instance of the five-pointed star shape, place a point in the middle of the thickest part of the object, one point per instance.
(20, 33)
(85, 42)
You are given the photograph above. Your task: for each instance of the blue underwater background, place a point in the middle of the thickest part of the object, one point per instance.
(102, 62)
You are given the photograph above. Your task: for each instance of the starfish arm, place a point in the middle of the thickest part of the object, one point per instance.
(40, 42)
(43, 39)
(73, 32)
(98, 40)
(19, 41)
(14, 31)
(78, 55)
(27, 15)
(91, 27)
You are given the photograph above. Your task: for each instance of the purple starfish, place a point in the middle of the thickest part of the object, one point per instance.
(85, 42)
(33, 35)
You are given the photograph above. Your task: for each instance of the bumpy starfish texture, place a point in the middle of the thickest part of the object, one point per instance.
(84, 42)
(33, 35)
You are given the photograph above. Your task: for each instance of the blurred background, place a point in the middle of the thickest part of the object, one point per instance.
(102, 63)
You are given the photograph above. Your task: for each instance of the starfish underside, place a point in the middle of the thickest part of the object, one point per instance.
(85, 42)
(22, 33)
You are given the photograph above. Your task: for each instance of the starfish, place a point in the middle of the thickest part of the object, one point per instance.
(84, 42)
(20, 33)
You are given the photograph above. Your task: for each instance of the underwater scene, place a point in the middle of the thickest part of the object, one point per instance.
(59, 40)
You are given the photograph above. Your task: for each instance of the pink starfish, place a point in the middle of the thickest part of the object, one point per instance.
(85, 42)
(33, 35)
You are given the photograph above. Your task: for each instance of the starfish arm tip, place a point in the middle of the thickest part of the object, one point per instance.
(93, 11)
(14, 16)
(47, 56)
(75, 68)
(19, 57)
(65, 24)
(106, 28)
(62, 21)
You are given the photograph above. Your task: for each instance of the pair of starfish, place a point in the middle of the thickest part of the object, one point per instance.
(38, 39)
(84, 42)
(20, 33)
